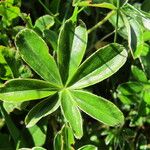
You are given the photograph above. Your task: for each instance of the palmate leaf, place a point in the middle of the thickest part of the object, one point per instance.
(71, 113)
(41, 110)
(98, 108)
(101, 65)
(20, 90)
(35, 52)
(72, 44)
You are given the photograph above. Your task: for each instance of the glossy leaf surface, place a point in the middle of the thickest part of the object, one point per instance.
(99, 66)
(71, 113)
(19, 90)
(98, 108)
(41, 110)
(78, 48)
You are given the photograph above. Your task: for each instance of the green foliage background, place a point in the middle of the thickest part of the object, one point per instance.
(30, 30)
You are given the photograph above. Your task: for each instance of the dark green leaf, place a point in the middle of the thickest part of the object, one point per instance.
(64, 48)
(14, 131)
(137, 40)
(41, 110)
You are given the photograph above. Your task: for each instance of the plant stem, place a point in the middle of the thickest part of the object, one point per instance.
(102, 21)
(117, 19)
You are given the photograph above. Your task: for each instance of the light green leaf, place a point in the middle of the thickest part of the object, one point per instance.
(64, 139)
(71, 113)
(8, 13)
(19, 90)
(146, 96)
(64, 48)
(38, 134)
(98, 108)
(44, 22)
(99, 66)
(41, 110)
(88, 147)
(137, 41)
(78, 48)
(35, 52)
(138, 74)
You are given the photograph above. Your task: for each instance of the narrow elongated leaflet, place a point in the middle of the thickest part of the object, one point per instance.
(71, 113)
(20, 90)
(64, 139)
(98, 108)
(137, 40)
(99, 66)
(64, 48)
(35, 52)
(41, 110)
(78, 48)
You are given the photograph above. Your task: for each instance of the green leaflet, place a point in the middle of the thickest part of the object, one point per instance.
(64, 139)
(41, 110)
(101, 5)
(65, 40)
(88, 147)
(44, 22)
(72, 44)
(138, 74)
(137, 40)
(20, 90)
(98, 108)
(35, 52)
(130, 88)
(71, 113)
(99, 66)
(78, 48)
